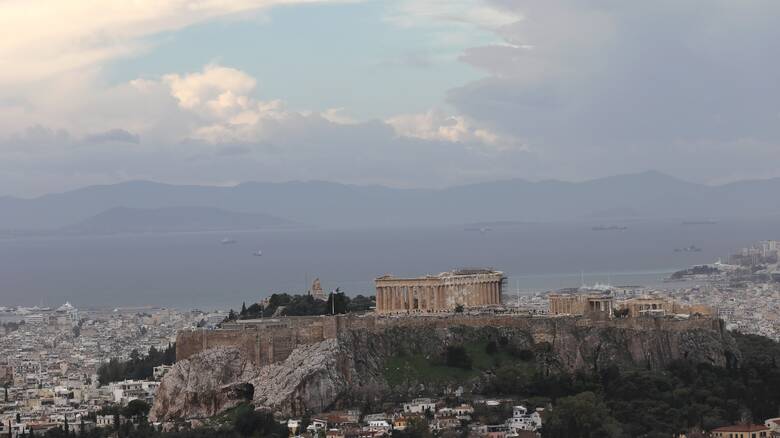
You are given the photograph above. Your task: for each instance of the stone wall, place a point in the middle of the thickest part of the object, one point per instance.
(270, 341)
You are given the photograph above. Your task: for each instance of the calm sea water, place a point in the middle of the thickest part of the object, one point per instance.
(196, 270)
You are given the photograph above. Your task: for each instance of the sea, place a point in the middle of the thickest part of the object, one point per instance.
(197, 270)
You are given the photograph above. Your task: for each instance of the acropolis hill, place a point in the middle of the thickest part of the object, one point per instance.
(309, 364)
(429, 301)
(268, 341)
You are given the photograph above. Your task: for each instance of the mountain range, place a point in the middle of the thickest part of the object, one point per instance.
(327, 204)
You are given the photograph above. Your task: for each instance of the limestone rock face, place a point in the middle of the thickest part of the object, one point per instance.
(350, 369)
(204, 385)
(309, 379)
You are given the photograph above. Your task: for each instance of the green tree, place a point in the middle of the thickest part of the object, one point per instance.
(584, 415)
(457, 357)
(248, 422)
(136, 409)
(360, 303)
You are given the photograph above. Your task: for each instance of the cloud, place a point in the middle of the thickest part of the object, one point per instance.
(610, 87)
(187, 119)
(44, 38)
(568, 89)
(224, 99)
(216, 88)
(481, 14)
(233, 150)
(435, 125)
(113, 135)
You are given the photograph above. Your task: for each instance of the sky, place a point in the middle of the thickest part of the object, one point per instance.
(404, 93)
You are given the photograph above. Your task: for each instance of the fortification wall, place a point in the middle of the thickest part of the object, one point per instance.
(268, 343)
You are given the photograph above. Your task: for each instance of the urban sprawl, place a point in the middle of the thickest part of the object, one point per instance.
(50, 358)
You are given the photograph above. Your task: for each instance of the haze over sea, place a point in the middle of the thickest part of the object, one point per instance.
(188, 270)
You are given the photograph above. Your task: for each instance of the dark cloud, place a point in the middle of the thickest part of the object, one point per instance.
(233, 150)
(599, 88)
(113, 135)
(301, 147)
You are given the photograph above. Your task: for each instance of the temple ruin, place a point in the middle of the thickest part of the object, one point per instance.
(439, 293)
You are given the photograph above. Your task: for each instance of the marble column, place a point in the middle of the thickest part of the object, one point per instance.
(388, 297)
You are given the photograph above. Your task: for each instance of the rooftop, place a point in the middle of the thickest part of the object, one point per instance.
(742, 428)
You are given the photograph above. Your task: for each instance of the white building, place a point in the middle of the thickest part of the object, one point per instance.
(317, 425)
(773, 424)
(36, 319)
(293, 426)
(104, 421)
(419, 406)
(379, 426)
(129, 390)
(522, 420)
(68, 312)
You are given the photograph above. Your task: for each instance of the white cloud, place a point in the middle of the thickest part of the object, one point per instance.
(213, 87)
(435, 125)
(223, 98)
(209, 127)
(39, 39)
(451, 12)
(339, 116)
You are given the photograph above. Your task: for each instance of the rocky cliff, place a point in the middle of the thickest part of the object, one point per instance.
(205, 385)
(350, 369)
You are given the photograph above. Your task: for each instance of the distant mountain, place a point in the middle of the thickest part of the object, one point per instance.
(635, 196)
(141, 220)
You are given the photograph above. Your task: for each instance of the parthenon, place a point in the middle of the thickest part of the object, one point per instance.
(439, 293)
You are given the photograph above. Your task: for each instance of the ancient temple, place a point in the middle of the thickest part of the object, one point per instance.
(439, 293)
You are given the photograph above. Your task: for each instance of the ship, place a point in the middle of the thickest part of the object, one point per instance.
(227, 241)
(610, 228)
(257, 253)
(707, 222)
(482, 230)
(692, 248)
